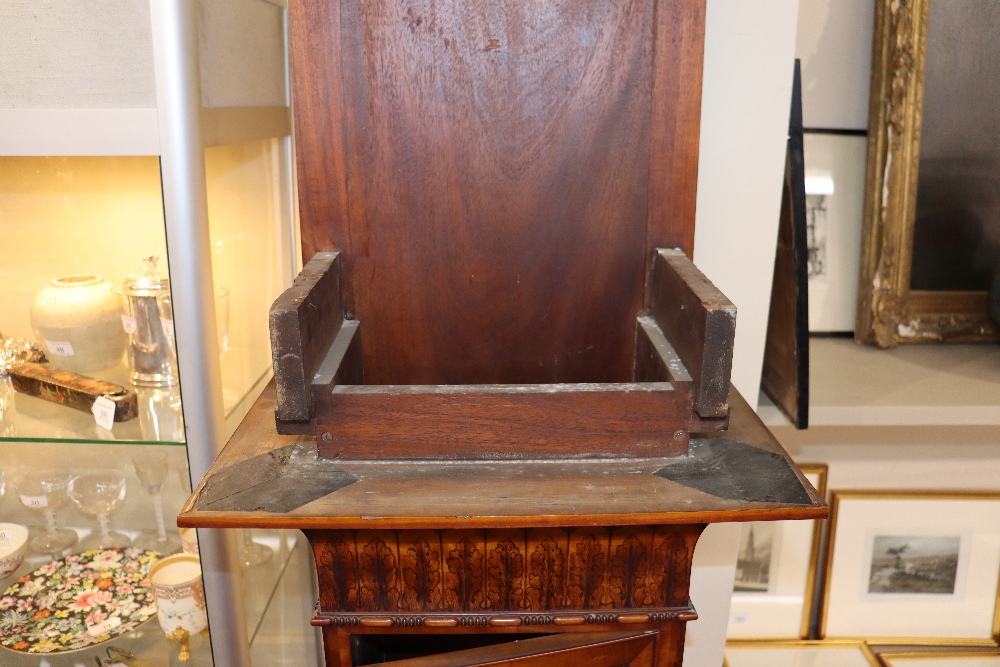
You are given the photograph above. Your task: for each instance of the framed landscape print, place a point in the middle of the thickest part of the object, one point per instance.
(965, 658)
(913, 567)
(755, 653)
(776, 573)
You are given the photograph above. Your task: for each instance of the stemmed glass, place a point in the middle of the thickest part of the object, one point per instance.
(151, 468)
(252, 553)
(45, 491)
(96, 494)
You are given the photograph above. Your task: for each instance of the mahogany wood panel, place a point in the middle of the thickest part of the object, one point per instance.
(504, 421)
(495, 577)
(700, 322)
(318, 107)
(678, 60)
(631, 649)
(498, 159)
(304, 321)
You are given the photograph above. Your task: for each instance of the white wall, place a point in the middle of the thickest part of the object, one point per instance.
(835, 45)
(749, 59)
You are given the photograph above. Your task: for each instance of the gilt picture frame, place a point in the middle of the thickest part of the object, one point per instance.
(794, 653)
(913, 103)
(947, 658)
(776, 572)
(913, 567)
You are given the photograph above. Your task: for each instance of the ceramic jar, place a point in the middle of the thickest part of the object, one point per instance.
(179, 593)
(77, 320)
(13, 538)
(189, 541)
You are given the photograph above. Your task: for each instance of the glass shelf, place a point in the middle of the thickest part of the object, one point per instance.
(69, 216)
(160, 420)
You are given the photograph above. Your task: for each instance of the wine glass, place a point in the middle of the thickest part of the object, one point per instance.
(252, 553)
(45, 491)
(96, 494)
(151, 468)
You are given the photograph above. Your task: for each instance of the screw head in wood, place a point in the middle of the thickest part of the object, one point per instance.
(326, 437)
(678, 435)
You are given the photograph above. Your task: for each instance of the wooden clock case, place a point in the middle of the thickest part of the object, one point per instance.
(501, 388)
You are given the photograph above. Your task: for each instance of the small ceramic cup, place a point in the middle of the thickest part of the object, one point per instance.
(179, 593)
(13, 541)
(189, 541)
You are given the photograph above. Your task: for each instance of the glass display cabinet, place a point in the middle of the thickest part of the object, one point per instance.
(135, 130)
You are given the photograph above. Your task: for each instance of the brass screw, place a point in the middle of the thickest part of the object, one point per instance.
(326, 437)
(678, 435)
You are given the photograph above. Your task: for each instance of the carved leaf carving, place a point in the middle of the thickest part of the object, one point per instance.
(586, 574)
(505, 571)
(377, 590)
(545, 575)
(464, 579)
(628, 573)
(422, 577)
(669, 572)
(338, 573)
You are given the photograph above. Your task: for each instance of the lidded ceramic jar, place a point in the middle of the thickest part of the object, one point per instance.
(77, 319)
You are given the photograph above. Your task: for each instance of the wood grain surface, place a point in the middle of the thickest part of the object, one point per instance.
(303, 321)
(485, 169)
(678, 60)
(505, 421)
(494, 494)
(700, 323)
(539, 576)
(497, 179)
(316, 67)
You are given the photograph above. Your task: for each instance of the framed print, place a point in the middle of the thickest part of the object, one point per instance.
(915, 567)
(932, 201)
(776, 574)
(966, 658)
(835, 187)
(756, 653)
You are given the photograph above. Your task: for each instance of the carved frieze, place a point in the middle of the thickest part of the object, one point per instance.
(474, 577)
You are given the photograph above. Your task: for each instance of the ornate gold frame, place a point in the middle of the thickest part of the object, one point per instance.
(790, 643)
(889, 312)
(903, 494)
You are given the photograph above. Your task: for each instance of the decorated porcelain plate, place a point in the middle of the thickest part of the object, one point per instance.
(82, 600)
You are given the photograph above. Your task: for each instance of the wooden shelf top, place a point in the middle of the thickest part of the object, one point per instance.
(911, 385)
(262, 479)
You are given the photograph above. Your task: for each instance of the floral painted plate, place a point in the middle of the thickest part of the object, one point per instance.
(82, 600)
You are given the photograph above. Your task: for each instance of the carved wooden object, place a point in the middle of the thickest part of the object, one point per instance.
(483, 547)
(537, 577)
(651, 416)
(486, 436)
